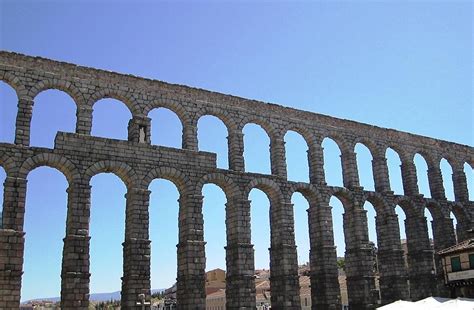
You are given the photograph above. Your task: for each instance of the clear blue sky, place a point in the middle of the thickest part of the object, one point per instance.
(404, 65)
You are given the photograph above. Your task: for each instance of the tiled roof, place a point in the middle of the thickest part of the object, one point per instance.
(219, 293)
(462, 246)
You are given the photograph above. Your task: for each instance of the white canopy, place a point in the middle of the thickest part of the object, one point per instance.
(432, 303)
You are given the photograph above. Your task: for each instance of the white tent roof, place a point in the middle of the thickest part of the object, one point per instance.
(432, 303)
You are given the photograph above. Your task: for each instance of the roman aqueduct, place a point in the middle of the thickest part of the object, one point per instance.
(80, 156)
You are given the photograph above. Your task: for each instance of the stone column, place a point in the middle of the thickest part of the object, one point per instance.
(380, 171)
(136, 249)
(420, 258)
(391, 265)
(236, 150)
(316, 165)
(462, 228)
(12, 243)
(84, 120)
(444, 237)
(284, 280)
(240, 280)
(191, 293)
(139, 130)
(190, 140)
(23, 121)
(409, 178)
(277, 156)
(325, 290)
(75, 276)
(460, 183)
(360, 260)
(350, 174)
(435, 178)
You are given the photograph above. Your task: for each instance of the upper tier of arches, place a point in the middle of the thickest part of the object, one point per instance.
(141, 99)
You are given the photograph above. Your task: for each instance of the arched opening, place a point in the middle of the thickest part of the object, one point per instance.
(337, 214)
(107, 231)
(403, 237)
(214, 214)
(394, 171)
(256, 149)
(3, 176)
(44, 226)
(53, 111)
(296, 150)
(469, 172)
(164, 218)
(371, 222)
(212, 137)
(422, 176)
(300, 215)
(110, 127)
(166, 128)
(364, 166)
(332, 162)
(429, 224)
(447, 174)
(8, 111)
(260, 237)
(455, 225)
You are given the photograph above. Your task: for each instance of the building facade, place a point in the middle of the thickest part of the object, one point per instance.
(458, 266)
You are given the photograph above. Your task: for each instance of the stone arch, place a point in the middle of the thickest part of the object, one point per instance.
(430, 160)
(401, 152)
(341, 141)
(332, 158)
(422, 176)
(266, 126)
(364, 160)
(408, 207)
(269, 187)
(15, 83)
(213, 132)
(62, 85)
(378, 201)
(166, 127)
(64, 165)
(171, 104)
(344, 195)
(373, 148)
(8, 164)
(307, 135)
(394, 169)
(179, 179)
(435, 209)
(462, 215)
(223, 116)
(297, 162)
(122, 96)
(224, 182)
(122, 170)
(468, 169)
(309, 192)
(447, 170)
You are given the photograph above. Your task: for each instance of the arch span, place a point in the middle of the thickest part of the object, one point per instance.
(122, 170)
(52, 160)
(58, 84)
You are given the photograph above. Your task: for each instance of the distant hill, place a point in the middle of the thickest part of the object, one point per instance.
(95, 297)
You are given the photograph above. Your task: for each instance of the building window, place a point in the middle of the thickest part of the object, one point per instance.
(455, 264)
(471, 261)
(305, 302)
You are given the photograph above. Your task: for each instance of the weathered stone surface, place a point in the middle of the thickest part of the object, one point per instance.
(80, 156)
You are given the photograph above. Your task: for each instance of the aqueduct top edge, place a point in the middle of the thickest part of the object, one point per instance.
(11, 61)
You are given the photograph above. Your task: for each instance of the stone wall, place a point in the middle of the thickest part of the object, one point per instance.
(80, 156)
